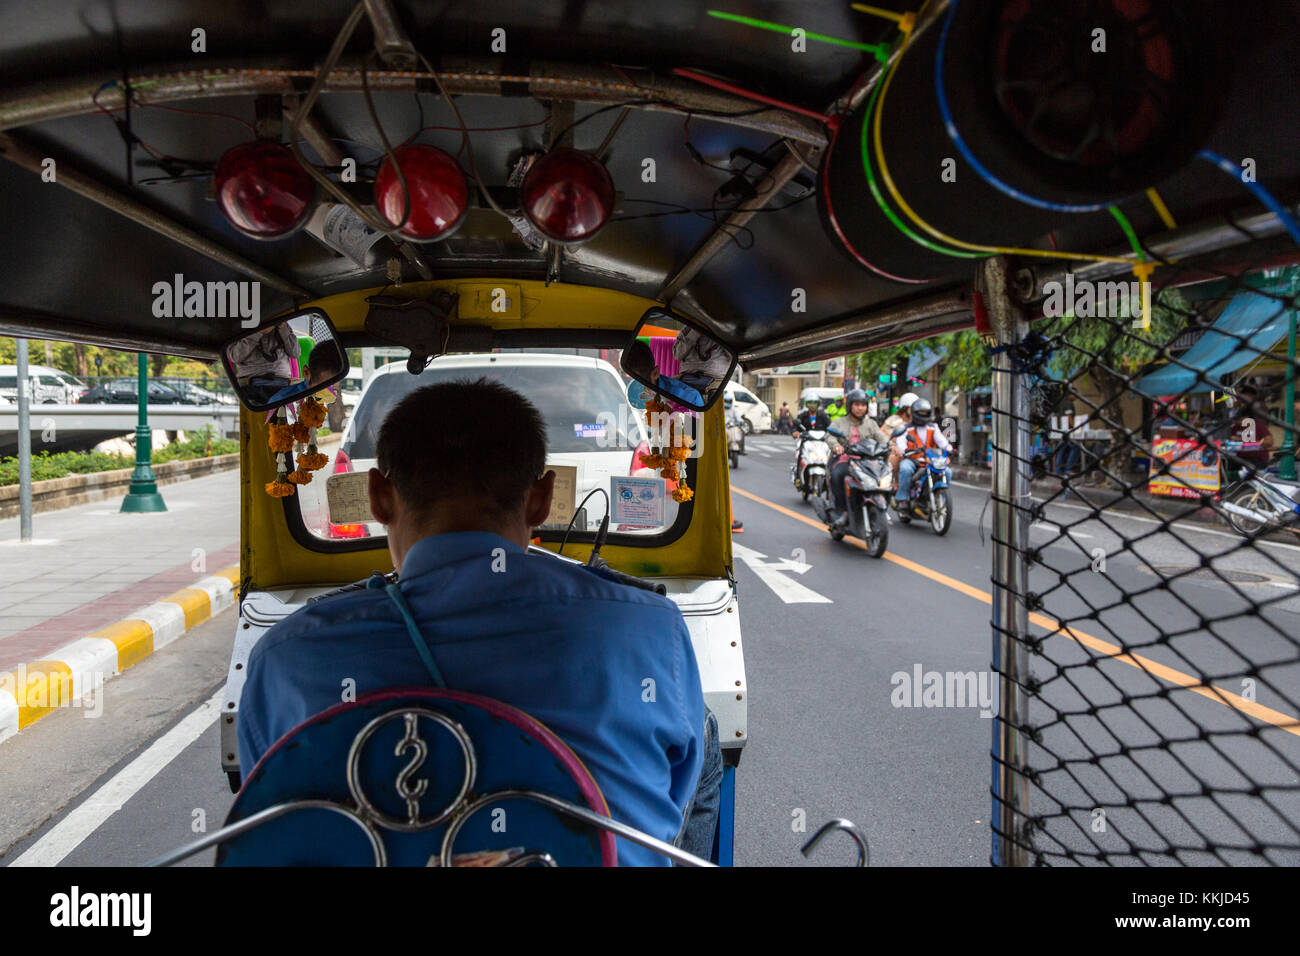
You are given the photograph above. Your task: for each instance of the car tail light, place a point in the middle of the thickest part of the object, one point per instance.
(342, 462)
(642, 450)
(439, 195)
(263, 190)
(567, 195)
(348, 531)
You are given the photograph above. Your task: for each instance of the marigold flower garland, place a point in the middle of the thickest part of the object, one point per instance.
(299, 438)
(678, 448)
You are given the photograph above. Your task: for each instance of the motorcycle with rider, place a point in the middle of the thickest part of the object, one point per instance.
(855, 500)
(922, 452)
(812, 451)
(735, 430)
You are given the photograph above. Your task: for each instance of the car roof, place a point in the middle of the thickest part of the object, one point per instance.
(484, 359)
(34, 370)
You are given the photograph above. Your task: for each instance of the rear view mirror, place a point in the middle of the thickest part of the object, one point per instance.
(677, 359)
(284, 360)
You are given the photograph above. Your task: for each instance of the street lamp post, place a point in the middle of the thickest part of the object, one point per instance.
(143, 495)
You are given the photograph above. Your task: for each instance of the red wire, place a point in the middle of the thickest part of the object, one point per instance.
(173, 109)
(103, 109)
(748, 94)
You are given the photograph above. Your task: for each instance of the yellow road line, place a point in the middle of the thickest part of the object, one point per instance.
(1096, 644)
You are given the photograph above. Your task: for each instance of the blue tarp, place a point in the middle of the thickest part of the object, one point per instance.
(1250, 326)
(919, 366)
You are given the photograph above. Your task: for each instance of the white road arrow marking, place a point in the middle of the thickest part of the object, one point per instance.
(772, 574)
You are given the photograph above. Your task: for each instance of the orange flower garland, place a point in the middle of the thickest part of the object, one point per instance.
(280, 437)
(300, 477)
(280, 489)
(312, 413)
(670, 460)
(301, 433)
(312, 461)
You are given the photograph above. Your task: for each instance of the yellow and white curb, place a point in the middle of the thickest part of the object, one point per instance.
(80, 668)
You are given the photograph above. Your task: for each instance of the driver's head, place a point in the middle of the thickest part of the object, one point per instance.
(439, 470)
(323, 365)
(813, 404)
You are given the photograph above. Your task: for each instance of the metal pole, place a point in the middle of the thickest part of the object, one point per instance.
(1011, 838)
(143, 494)
(24, 444)
(1287, 469)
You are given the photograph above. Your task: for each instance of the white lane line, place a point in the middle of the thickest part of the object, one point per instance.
(1057, 529)
(73, 829)
(1181, 525)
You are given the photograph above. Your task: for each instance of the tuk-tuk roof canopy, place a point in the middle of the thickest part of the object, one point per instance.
(713, 101)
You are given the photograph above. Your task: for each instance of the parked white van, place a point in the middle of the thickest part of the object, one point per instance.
(49, 386)
(754, 411)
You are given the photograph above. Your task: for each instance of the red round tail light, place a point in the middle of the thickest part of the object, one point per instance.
(439, 194)
(568, 195)
(263, 189)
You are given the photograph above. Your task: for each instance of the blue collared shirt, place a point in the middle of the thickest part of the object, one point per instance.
(560, 642)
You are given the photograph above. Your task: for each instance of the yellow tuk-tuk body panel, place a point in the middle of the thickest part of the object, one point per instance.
(272, 558)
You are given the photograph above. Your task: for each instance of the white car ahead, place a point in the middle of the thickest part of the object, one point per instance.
(754, 411)
(589, 424)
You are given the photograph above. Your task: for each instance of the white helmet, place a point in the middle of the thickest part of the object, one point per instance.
(907, 400)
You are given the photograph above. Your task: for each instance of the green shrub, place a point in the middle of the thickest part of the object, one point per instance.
(46, 466)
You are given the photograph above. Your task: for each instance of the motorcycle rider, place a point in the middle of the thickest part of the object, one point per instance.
(812, 418)
(734, 419)
(856, 426)
(921, 434)
(900, 419)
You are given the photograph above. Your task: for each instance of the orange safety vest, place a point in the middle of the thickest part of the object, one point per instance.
(915, 445)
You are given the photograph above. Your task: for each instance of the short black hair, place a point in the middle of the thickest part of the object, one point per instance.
(325, 358)
(464, 439)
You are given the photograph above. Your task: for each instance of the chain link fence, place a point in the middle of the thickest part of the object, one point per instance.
(1147, 574)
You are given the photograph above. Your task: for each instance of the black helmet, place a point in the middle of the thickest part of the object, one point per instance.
(855, 395)
(922, 412)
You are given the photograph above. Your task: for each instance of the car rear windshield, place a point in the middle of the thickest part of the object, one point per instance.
(579, 405)
(594, 435)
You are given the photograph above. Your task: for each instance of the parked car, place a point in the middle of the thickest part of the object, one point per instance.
(753, 410)
(49, 386)
(123, 391)
(192, 394)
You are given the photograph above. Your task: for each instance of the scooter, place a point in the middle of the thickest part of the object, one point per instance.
(811, 460)
(868, 485)
(1261, 501)
(928, 495)
(735, 443)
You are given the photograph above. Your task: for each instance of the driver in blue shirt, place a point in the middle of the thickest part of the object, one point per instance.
(562, 642)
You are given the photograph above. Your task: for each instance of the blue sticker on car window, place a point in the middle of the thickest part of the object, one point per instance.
(589, 431)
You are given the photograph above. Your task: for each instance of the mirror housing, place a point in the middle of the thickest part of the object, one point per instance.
(699, 364)
(284, 359)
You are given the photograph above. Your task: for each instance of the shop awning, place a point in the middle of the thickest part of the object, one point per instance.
(1246, 330)
(923, 364)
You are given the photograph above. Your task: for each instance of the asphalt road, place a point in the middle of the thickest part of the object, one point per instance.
(832, 639)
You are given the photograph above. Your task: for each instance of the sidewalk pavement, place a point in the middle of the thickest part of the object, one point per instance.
(97, 590)
(1095, 496)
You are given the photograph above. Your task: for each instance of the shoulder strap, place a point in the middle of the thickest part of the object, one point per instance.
(421, 646)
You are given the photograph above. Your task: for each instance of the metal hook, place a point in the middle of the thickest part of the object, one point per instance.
(839, 823)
